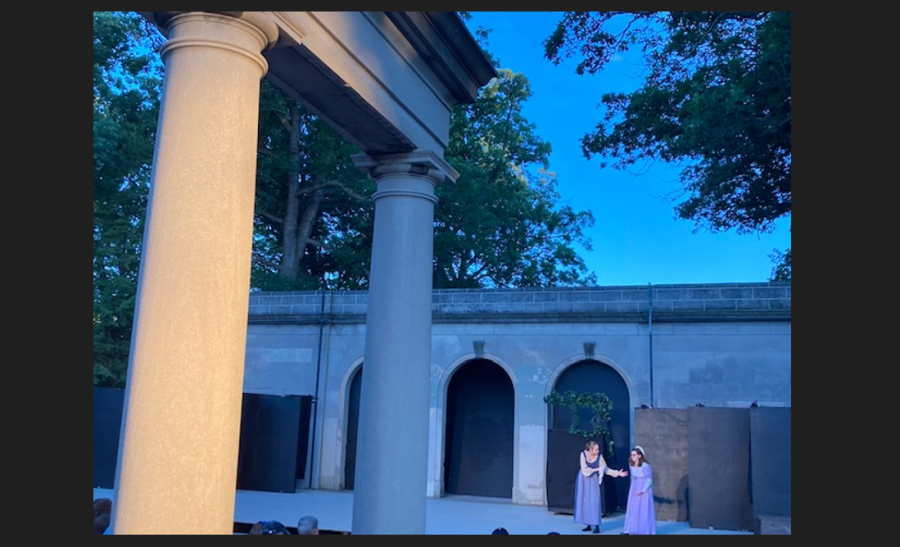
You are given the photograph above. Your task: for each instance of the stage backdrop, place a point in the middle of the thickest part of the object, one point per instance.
(718, 467)
(770, 461)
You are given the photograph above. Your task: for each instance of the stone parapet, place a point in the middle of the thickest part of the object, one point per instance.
(633, 303)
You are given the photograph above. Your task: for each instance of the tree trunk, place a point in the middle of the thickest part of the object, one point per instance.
(290, 260)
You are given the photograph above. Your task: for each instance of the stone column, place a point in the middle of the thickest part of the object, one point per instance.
(178, 451)
(392, 440)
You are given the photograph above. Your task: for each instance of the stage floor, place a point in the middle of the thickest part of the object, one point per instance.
(450, 515)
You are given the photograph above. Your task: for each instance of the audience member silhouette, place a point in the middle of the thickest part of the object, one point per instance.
(268, 527)
(101, 523)
(102, 514)
(308, 526)
(101, 506)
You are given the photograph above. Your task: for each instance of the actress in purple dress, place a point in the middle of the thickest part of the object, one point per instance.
(592, 468)
(640, 514)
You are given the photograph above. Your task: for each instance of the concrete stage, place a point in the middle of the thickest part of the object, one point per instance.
(450, 515)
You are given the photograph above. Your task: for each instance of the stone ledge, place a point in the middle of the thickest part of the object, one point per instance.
(257, 317)
(766, 525)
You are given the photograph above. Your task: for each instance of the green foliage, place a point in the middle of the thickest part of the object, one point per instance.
(782, 269)
(127, 80)
(313, 206)
(500, 224)
(103, 377)
(598, 404)
(272, 281)
(716, 99)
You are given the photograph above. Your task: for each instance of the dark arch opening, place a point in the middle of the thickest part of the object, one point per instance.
(591, 376)
(352, 427)
(478, 451)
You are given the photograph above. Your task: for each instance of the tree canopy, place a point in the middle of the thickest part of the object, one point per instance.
(501, 224)
(309, 201)
(715, 99)
(127, 79)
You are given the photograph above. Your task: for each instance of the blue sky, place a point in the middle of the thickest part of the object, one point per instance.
(636, 238)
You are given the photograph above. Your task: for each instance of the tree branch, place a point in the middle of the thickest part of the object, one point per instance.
(271, 217)
(331, 184)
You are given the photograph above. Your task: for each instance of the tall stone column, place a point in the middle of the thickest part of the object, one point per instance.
(392, 439)
(178, 451)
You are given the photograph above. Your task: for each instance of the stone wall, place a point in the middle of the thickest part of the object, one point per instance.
(722, 345)
(659, 303)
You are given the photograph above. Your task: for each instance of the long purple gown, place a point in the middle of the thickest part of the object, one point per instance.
(640, 514)
(587, 496)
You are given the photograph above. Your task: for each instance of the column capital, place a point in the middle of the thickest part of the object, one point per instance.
(258, 20)
(425, 164)
(247, 33)
(255, 18)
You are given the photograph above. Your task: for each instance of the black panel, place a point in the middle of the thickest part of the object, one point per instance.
(108, 407)
(246, 452)
(590, 377)
(563, 449)
(273, 446)
(479, 439)
(303, 440)
(770, 461)
(719, 468)
(270, 431)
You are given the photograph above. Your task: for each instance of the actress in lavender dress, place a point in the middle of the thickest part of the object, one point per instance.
(640, 514)
(592, 468)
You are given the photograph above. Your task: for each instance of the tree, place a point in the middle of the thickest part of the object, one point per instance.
(314, 217)
(127, 79)
(716, 98)
(500, 224)
(306, 185)
(782, 269)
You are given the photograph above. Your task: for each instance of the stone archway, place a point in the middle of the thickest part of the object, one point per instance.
(480, 416)
(589, 376)
(386, 81)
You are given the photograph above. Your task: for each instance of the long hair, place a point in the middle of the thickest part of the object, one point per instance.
(641, 458)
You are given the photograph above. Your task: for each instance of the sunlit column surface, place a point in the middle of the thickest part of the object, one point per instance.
(178, 452)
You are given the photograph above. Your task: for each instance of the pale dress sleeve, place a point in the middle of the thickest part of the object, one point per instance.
(605, 469)
(649, 482)
(585, 470)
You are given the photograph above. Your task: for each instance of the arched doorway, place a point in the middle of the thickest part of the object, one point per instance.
(589, 376)
(479, 434)
(352, 428)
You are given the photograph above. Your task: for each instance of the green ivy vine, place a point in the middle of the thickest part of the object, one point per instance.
(599, 405)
